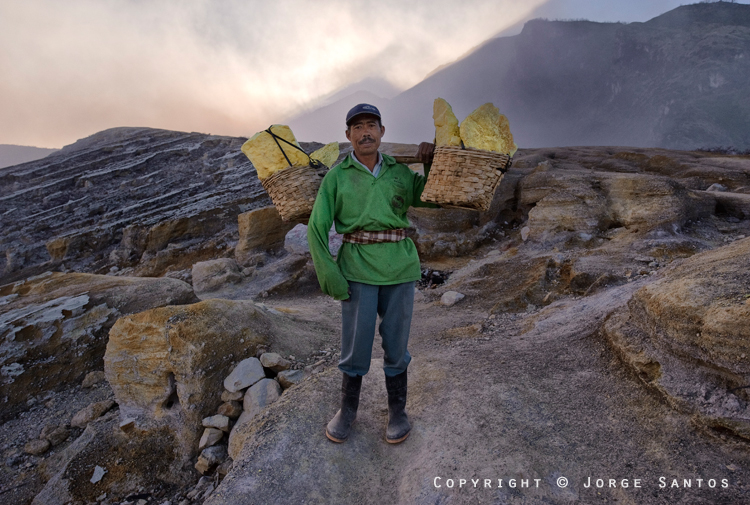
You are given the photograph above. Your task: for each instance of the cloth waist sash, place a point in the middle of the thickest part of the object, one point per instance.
(375, 237)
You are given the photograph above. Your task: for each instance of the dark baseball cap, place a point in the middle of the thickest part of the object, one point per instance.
(362, 108)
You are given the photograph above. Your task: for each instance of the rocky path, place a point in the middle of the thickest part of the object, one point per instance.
(524, 408)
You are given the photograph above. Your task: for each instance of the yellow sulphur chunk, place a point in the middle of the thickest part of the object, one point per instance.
(506, 137)
(446, 124)
(328, 154)
(265, 155)
(481, 129)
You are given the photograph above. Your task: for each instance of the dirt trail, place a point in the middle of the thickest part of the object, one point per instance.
(527, 400)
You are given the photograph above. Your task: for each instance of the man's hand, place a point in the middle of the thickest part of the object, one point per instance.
(425, 152)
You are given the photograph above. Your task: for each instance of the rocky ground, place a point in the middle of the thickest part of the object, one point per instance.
(602, 335)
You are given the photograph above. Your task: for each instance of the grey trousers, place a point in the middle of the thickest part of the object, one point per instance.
(394, 304)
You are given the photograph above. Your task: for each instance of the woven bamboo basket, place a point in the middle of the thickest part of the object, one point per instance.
(293, 191)
(464, 178)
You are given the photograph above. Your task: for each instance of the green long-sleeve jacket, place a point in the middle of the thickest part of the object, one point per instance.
(353, 199)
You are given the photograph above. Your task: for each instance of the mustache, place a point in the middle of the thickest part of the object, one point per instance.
(366, 139)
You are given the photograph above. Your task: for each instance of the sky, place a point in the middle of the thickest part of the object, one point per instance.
(232, 67)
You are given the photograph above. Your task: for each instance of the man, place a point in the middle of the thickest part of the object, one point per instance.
(367, 196)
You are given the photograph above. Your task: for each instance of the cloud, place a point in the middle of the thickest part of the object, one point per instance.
(231, 67)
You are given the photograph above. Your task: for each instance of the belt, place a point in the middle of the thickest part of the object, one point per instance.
(375, 237)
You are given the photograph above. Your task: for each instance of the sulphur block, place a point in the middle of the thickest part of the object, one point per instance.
(481, 129)
(446, 125)
(506, 137)
(266, 156)
(328, 154)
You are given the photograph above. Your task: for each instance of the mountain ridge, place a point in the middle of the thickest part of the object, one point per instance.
(676, 81)
(12, 154)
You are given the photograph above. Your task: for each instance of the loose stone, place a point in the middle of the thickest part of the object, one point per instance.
(245, 374)
(274, 362)
(289, 378)
(210, 437)
(36, 447)
(231, 409)
(218, 421)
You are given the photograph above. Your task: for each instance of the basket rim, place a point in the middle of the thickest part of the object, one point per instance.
(287, 170)
(472, 150)
(290, 172)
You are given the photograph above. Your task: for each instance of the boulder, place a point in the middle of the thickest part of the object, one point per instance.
(447, 232)
(231, 409)
(576, 201)
(211, 436)
(295, 241)
(220, 422)
(210, 458)
(450, 298)
(734, 204)
(213, 275)
(58, 435)
(93, 378)
(260, 395)
(274, 361)
(687, 335)
(245, 374)
(260, 230)
(229, 396)
(568, 201)
(289, 378)
(648, 202)
(93, 411)
(167, 366)
(257, 398)
(290, 272)
(237, 436)
(53, 327)
(37, 447)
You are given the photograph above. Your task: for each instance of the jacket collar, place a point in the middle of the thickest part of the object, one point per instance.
(350, 163)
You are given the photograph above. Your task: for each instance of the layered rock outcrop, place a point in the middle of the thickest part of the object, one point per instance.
(144, 200)
(688, 336)
(53, 328)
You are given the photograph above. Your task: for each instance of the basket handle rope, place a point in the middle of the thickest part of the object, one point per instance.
(276, 138)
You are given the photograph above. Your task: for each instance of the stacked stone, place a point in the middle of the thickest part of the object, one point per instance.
(253, 384)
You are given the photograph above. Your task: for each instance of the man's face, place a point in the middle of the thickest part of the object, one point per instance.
(365, 132)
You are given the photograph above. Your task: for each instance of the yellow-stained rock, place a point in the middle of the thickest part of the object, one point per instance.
(265, 155)
(446, 125)
(53, 327)
(487, 129)
(167, 366)
(328, 154)
(260, 230)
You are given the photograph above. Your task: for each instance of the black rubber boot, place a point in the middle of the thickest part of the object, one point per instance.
(338, 429)
(398, 424)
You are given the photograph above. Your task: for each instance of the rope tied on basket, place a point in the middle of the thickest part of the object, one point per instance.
(313, 163)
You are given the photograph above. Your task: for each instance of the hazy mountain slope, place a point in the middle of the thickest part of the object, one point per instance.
(329, 122)
(13, 155)
(676, 81)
